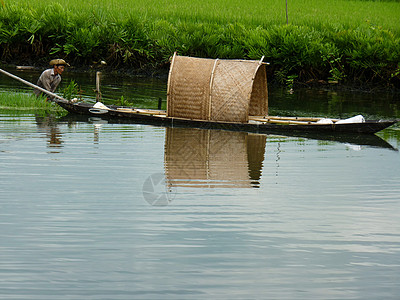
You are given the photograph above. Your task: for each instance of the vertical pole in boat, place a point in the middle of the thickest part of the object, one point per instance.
(159, 103)
(98, 93)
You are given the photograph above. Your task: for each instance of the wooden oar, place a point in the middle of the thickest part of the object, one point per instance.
(59, 98)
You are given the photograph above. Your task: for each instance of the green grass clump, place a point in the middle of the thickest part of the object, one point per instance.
(23, 101)
(325, 39)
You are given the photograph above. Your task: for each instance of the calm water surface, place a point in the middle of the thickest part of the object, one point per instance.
(92, 210)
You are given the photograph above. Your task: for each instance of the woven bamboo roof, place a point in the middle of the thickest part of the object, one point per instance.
(216, 89)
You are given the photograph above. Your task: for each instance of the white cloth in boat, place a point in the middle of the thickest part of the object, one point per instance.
(325, 121)
(355, 119)
(100, 105)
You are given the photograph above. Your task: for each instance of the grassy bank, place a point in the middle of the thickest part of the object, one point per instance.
(27, 102)
(337, 40)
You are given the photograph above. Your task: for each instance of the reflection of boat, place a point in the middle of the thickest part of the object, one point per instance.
(371, 140)
(213, 158)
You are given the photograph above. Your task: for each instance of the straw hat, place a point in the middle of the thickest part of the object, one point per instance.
(59, 62)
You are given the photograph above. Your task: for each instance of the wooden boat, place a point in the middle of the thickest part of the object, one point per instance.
(266, 124)
(221, 94)
(217, 94)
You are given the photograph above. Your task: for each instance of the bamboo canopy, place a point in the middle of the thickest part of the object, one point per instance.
(216, 89)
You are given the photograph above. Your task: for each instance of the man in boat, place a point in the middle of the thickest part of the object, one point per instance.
(51, 78)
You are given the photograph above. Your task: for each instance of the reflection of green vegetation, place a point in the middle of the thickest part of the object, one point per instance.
(338, 39)
(391, 134)
(334, 104)
(27, 102)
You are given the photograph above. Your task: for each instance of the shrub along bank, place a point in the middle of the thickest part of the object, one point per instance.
(311, 47)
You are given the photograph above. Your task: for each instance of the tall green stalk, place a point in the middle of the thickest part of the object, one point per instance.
(287, 15)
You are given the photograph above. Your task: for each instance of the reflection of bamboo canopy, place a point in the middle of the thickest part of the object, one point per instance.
(212, 158)
(216, 90)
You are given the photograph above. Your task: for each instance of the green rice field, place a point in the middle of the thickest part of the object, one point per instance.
(332, 40)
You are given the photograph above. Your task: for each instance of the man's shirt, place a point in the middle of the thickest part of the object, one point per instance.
(49, 81)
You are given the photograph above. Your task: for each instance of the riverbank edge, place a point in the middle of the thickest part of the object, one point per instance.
(162, 73)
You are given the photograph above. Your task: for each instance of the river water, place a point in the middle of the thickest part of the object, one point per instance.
(93, 210)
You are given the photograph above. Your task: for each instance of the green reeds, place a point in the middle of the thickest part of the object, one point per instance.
(325, 39)
(25, 101)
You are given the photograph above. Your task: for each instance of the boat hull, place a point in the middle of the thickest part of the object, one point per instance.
(118, 114)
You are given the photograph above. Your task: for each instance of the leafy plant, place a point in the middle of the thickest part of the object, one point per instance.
(123, 102)
(71, 91)
(396, 72)
(336, 69)
(285, 79)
